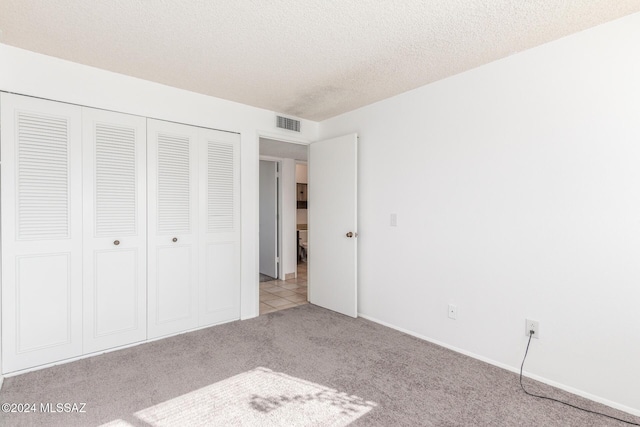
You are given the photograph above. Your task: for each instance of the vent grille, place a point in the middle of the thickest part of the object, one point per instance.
(43, 177)
(115, 180)
(220, 187)
(289, 124)
(174, 196)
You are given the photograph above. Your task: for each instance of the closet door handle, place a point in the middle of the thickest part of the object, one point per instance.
(116, 242)
(175, 239)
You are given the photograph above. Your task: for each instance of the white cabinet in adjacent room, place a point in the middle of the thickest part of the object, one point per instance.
(115, 235)
(41, 231)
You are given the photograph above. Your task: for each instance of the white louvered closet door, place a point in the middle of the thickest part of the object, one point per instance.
(220, 227)
(172, 182)
(41, 232)
(115, 238)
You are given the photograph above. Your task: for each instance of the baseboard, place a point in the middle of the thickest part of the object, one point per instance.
(109, 350)
(289, 276)
(581, 393)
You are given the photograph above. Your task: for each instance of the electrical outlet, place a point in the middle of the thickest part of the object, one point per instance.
(532, 325)
(453, 311)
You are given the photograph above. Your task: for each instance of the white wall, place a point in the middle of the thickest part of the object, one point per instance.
(301, 173)
(289, 254)
(517, 189)
(38, 75)
(302, 217)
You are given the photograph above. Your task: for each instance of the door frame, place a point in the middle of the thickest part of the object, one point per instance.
(280, 138)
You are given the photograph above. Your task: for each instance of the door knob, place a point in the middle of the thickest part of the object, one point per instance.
(175, 239)
(116, 242)
(350, 234)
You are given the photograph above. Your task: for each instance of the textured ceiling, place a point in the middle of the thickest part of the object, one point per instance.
(308, 58)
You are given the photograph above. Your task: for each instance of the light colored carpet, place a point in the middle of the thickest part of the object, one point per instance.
(296, 367)
(259, 397)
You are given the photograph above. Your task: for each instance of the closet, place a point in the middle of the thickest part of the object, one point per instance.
(115, 229)
(194, 253)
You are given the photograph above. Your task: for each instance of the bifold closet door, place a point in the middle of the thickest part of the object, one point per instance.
(115, 238)
(172, 182)
(220, 226)
(41, 231)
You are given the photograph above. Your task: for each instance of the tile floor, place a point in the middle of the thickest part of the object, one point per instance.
(280, 294)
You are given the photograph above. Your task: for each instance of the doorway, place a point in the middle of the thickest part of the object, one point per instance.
(286, 248)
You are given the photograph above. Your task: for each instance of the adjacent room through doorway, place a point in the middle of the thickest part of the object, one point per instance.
(283, 225)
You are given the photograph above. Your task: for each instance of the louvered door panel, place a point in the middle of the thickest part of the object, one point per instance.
(174, 182)
(43, 176)
(220, 186)
(116, 194)
(173, 227)
(220, 240)
(41, 232)
(114, 229)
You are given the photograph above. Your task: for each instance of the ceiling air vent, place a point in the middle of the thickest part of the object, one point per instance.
(287, 123)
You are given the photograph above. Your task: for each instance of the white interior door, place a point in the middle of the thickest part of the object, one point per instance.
(333, 226)
(172, 183)
(220, 226)
(269, 218)
(115, 234)
(41, 231)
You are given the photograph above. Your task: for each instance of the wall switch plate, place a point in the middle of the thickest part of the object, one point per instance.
(394, 220)
(532, 325)
(453, 311)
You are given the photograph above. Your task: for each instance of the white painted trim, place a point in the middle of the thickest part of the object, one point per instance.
(97, 353)
(256, 238)
(270, 158)
(516, 370)
(285, 138)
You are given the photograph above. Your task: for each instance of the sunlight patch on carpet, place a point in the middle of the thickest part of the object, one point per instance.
(117, 423)
(258, 397)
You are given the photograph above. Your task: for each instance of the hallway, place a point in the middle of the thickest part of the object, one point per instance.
(281, 294)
